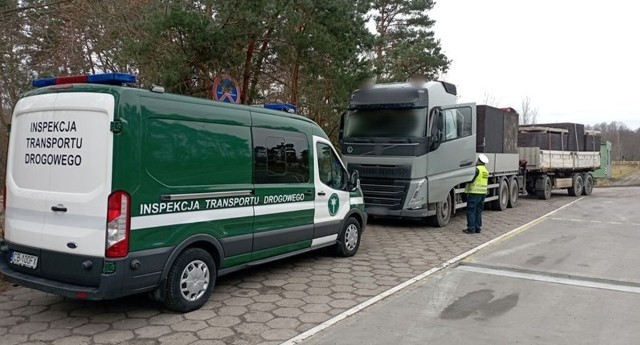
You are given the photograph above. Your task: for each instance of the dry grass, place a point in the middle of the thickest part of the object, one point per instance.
(619, 171)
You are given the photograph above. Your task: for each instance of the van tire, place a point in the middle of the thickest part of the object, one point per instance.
(193, 263)
(349, 238)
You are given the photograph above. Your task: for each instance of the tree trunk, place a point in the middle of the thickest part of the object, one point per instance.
(294, 82)
(246, 74)
(258, 69)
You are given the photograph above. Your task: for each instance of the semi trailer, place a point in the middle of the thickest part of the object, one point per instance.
(415, 149)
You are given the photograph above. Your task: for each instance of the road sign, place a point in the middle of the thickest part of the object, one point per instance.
(225, 89)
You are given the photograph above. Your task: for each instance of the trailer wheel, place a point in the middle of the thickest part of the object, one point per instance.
(503, 197)
(190, 280)
(443, 213)
(587, 179)
(514, 192)
(576, 188)
(545, 192)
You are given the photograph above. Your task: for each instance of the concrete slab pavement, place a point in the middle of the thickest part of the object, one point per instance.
(570, 279)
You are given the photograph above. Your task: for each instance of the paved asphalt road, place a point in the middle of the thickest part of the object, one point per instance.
(571, 278)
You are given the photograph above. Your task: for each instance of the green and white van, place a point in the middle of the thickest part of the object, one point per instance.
(113, 191)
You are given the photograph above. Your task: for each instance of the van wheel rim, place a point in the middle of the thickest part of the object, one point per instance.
(351, 237)
(194, 280)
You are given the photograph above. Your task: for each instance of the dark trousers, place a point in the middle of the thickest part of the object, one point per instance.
(475, 204)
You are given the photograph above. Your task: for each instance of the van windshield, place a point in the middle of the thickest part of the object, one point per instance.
(385, 123)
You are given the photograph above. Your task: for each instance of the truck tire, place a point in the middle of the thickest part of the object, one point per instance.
(190, 280)
(503, 197)
(576, 188)
(587, 179)
(514, 192)
(443, 213)
(545, 192)
(349, 239)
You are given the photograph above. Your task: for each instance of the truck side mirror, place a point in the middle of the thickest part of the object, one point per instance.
(434, 142)
(354, 181)
(341, 132)
(435, 129)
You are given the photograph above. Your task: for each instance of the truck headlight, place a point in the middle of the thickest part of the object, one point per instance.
(418, 198)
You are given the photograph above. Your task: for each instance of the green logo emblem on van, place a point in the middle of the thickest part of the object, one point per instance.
(334, 204)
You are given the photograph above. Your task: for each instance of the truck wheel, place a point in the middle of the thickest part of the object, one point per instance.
(545, 193)
(503, 197)
(587, 179)
(576, 188)
(190, 280)
(443, 213)
(349, 238)
(514, 192)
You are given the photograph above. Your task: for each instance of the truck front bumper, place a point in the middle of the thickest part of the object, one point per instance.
(405, 213)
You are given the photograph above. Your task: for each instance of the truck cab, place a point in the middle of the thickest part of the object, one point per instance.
(412, 144)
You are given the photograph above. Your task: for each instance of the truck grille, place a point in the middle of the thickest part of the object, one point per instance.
(384, 193)
(382, 171)
(383, 185)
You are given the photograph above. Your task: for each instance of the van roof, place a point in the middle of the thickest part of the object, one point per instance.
(120, 90)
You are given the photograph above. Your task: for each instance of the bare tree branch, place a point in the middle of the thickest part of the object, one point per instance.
(528, 113)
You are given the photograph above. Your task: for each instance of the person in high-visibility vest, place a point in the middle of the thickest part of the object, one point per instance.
(476, 191)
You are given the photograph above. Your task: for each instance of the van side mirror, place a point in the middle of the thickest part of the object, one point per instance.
(354, 181)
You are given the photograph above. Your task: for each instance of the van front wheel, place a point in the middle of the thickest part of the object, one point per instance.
(349, 238)
(190, 280)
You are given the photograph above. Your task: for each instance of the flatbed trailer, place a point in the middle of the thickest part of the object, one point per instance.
(545, 170)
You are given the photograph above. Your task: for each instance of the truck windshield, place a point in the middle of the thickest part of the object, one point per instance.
(385, 123)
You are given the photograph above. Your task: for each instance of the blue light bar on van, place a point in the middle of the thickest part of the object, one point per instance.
(105, 78)
(286, 107)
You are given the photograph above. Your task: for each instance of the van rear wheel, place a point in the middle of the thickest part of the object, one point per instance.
(349, 238)
(190, 280)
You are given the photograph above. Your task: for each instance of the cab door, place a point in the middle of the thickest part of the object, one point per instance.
(452, 151)
(332, 197)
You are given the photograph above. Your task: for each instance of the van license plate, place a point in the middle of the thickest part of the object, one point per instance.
(22, 259)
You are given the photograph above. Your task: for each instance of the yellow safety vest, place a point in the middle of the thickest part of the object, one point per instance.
(479, 184)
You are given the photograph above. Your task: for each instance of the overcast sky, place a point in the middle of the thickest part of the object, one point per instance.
(578, 61)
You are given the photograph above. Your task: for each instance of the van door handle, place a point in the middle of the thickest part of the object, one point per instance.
(58, 208)
(322, 193)
(308, 192)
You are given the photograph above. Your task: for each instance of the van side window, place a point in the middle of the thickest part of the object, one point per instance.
(180, 153)
(280, 156)
(331, 171)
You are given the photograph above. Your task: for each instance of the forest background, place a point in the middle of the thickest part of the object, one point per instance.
(309, 53)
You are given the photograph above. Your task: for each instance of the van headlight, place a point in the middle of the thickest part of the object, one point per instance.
(418, 198)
